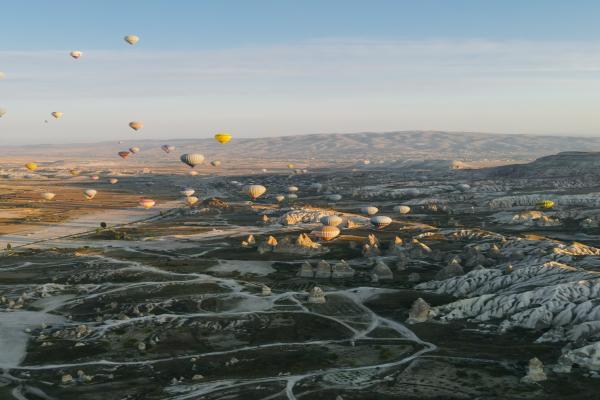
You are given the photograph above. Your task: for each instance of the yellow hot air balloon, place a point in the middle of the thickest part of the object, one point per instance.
(545, 204)
(255, 191)
(48, 195)
(136, 125)
(222, 137)
(290, 166)
(191, 200)
(326, 232)
(74, 172)
(132, 39)
(57, 114)
(31, 166)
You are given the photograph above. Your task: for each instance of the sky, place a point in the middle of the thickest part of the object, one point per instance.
(283, 67)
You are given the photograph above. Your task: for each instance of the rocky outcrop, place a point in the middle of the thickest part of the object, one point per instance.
(419, 311)
(535, 372)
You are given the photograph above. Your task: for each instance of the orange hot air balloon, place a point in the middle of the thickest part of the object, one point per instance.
(136, 125)
(123, 154)
(326, 232)
(147, 203)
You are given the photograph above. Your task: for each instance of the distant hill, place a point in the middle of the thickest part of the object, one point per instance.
(334, 147)
(568, 163)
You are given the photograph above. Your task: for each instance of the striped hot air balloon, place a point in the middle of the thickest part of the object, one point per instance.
(326, 232)
(381, 221)
(147, 203)
(192, 159)
(332, 220)
(255, 191)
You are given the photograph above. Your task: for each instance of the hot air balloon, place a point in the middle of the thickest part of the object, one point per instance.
(134, 150)
(290, 166)
(113, 181)
(94, 177)
(136, 125)
(2, 112)
(74, 172)
(545, 204)
(192, 159)
(264, 170)
(402, 209)
(132, 39)
(191, 200)
(334, 197)
(187, 192)
(193, 173)
(292, 196)
(215, 163)
(48, 195)
(326, 232)
(31, 166)
(255, 191)
(2, 75)
(369, 210)
(331, 220)
(366, 162)
(123, 154)
(57, 114)
(222, 137)
(167, 148)
(90, 194)
(292, 189)
(381, 221)
(280, 198)
(147, 203)
(76, 54)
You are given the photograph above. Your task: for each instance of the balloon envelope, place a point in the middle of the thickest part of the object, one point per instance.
(255, 191)
(136, 125)
(57, 114)
(381, 221)
(280, 198)
(292, 189)
(76, 54)
(48, 195)
(2, 112)
(332, 220)
(90, 194)
(402, 209)
(223, 137)
(147, 203)
(134, 150)
(113, 181)
(191, 200)
(369, 210)
(167, 148)
(334, 197)
(187, 192)
(31, 166)
(192, 159)
(326, 232)
(123, 154)
(215, 163)
(132, 39)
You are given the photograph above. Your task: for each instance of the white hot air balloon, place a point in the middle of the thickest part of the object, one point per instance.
(381, 221)
(191, 200)
(255, 191)
(187, 192)
(192, 159)
(113, 181)
(90, 194)
(132, 39)
(332, 220)
(326, 232)
(48, 195)
(292, 189)
(134, 150)
(193, 173)
(292, 197)
(334, 197)
(280, 198)
(215, 163)
(369, 210)
(402, 209)
(167, 148)
(76, 54)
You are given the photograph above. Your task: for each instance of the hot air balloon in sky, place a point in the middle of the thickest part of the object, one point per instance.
(74, 172)
(326, 232)
(31, 166)
(147, 203)
(381, 221)
(167, 148)
(187, 192)
(90, 194)
(292, 189)
(57, 114)
(191, 200)
(76, 54)
(134, 150)
(222, 137)
(192, 159)
(280, 198)
(215, 163)
(113, 181)
(255, 191)
(123, 154)
(94, 177)
(132, 39)
(545, 204)
(2, 75)
(402, 209)
(332, 220)
(292, 196)
(48, 195)
(2, 112)
(136, 125)
(193, 173)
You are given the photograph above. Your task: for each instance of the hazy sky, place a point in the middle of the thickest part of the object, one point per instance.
(280, 67)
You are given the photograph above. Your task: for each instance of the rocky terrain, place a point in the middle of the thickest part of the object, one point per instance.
(472, 291)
